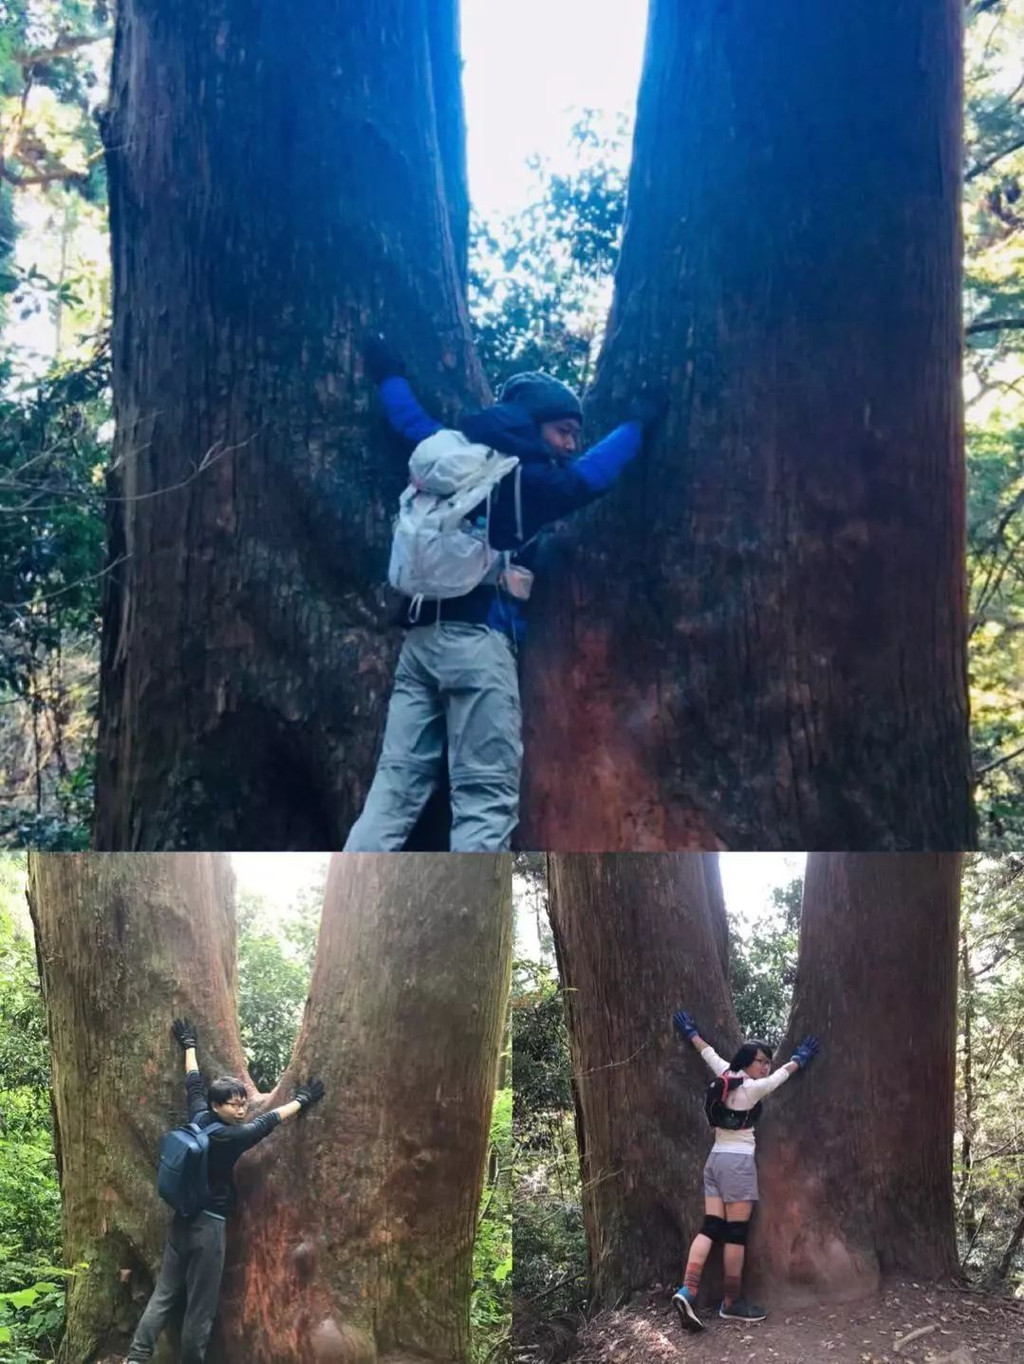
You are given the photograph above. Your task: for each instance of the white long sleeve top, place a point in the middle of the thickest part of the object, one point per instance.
(742, 1098)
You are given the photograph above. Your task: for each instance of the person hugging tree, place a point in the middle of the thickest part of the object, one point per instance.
(733, 1106)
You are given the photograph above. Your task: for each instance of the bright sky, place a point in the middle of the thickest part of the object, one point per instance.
(276, 877)
(748, 880)
(531, 67)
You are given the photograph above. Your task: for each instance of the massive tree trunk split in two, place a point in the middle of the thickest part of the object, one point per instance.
(355, 1230)
(758, 641)
(854, 1156)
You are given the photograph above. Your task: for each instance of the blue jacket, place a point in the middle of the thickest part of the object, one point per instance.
(550, 489)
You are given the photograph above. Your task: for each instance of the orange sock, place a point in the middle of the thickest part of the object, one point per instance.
(691, 1279)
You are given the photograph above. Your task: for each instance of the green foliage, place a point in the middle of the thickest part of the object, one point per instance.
(273, 980)
(550, 1250)
(762, 965)
(53, 456)
(540, 280)
(994, 386)
(989, 1164)
(30, 1317)
(491, 1303)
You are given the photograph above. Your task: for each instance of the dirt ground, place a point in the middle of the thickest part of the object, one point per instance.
(963, 1328)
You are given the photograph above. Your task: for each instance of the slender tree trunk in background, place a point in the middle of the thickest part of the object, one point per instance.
(354, 1234)
(124, 945)
(965, 1191)
(757, 641)
(275, 189)
(855, 1155)
(635, 940)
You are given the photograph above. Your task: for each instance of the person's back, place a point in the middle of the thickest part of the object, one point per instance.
(456, 687)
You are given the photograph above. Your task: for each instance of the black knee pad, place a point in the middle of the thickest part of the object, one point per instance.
(736, 1233)
(714, 1228)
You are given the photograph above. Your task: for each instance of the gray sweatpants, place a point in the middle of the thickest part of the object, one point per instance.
(458, 683)
(192, 1266)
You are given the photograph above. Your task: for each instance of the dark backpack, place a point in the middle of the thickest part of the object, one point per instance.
(731, 1119)
(183, 1178)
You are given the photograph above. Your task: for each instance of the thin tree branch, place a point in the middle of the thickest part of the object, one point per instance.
(79, 582)
(62, 48)
(997, 324)
(980, 167)
(998, 762)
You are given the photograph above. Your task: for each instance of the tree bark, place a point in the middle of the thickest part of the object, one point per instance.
(855, 1155)
(635, 940)
(757, 641)
(275, 189)
(124, 945)
(353, 1239)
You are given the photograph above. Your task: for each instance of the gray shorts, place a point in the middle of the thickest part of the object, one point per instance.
(731, 1176)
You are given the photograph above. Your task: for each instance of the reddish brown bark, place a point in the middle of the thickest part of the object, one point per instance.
(354, 1235)
(275, 188)
(757, 640)
(635, 940)
(855, 1156)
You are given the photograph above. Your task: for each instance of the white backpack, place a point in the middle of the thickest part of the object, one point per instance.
(435, 551)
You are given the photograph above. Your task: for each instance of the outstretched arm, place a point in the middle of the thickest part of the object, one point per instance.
(184, 1031)
(401, 406)
(404, 411)
(305, 1096)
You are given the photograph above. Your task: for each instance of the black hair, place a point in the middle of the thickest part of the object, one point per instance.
(748, 1052)
(227, 1087)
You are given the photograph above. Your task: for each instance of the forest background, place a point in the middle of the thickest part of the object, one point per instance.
(540, 282)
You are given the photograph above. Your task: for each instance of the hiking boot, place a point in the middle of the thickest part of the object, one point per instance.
(741, 1310)
(682, 1300)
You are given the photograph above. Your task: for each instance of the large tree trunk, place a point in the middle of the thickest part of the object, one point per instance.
(354, 1236)
(125, 943)
(758, 640)
(276, 188)
(636, 939)
(374, 1208)
(855, 1156)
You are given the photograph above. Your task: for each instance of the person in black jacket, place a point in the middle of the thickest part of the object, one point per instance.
(193, 1260)
(456, 685)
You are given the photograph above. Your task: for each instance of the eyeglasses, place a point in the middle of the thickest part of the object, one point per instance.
(235, 1103)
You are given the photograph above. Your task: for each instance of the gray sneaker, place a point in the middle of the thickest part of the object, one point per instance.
(741, 1310)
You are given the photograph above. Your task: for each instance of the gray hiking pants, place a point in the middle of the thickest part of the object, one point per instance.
(192, 1266)
(456, 682)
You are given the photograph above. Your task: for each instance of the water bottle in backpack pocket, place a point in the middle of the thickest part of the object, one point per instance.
(183, 1176)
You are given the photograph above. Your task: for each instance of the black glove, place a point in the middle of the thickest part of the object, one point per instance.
(684, 1024)
(184, 1033)
(310, 1093)
(806, 1051)
(649, 409)
(381, 361)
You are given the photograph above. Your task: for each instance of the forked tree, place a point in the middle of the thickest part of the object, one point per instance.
(354, 1236)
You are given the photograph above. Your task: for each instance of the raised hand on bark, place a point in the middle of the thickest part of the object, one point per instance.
(806, 1051)
(184, 1033)
(310, 1093)
(684, 1024)
(381, 361)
